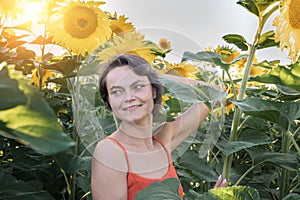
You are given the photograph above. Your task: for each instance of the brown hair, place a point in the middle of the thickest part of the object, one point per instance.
(140, 67)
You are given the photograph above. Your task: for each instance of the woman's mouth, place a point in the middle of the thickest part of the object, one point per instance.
(132, 107)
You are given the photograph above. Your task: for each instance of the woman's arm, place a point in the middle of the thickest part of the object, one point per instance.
(186, 123)
(109, 176)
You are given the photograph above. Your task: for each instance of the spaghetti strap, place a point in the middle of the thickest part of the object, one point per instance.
(168, 153)
(124, 150)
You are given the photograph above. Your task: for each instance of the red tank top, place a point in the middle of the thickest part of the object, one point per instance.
(136, 183)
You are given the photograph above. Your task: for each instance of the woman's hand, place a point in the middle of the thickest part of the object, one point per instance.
(220, 182)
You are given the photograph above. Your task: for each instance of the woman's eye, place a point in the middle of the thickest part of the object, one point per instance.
(116, 92)
(138, 86)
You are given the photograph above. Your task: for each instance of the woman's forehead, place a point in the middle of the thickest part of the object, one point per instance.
(123, 76)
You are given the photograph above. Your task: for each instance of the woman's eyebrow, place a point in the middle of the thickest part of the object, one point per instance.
(114, 87)
(132, 84)
(136, 82)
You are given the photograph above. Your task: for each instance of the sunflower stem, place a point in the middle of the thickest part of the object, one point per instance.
(237, 112)
(291, 136)
(75, 99)
(284, 173)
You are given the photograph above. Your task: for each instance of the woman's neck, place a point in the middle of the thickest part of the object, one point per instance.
(138, 132)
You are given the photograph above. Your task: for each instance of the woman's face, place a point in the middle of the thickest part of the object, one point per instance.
(130, 95)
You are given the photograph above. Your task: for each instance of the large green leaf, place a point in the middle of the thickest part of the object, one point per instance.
(281, 113)
(167, 189)
(192, 164)
(248, 138)
(288, 76)
(284, 160)
(35, 123)
(11, 95)
(192, 94)
(211, 57)
(12, 189)
(231, 193)
(206, 56)
(292, 197)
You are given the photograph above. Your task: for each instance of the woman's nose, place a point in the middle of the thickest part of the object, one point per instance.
(129, 96)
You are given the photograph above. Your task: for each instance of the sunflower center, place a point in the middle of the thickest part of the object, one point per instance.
(80, 22)
(294, 13)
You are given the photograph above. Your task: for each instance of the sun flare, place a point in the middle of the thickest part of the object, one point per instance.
(32, 10)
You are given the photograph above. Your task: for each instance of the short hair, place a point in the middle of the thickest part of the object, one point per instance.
(140, 67)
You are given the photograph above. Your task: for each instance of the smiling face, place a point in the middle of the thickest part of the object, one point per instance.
(130, 96)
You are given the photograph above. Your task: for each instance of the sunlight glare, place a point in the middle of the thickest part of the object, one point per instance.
(33, 10)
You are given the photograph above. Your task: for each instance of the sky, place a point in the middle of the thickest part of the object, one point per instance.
(192, 25)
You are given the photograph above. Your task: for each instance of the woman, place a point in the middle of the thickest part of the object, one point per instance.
(135, 155)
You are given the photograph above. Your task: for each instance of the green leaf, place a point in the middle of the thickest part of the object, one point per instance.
(206, 56)
(292, 197)
(250, 6)
(231, 193)
(12, 189)
(267, 40)
(248, 138)
(237, 40)
(257, 7)
(66, 66)
(284, 160)
(191, 163)
(167, 189)
(35, 123)
(281, 113)
(72, 163)
(288, 76)
(11, 95)
(192, 94)
(268, 64)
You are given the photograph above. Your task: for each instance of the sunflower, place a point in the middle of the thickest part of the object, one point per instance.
(80, 27)
(288, 28)
(164, 44)
(182, 69)
(127, 42)
(119, 24)
(10, 8)
(227, 54)
(35, 80)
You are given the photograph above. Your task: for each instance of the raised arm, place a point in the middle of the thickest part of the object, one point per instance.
(186, 123)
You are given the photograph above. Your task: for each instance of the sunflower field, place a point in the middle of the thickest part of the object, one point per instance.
(51, 113)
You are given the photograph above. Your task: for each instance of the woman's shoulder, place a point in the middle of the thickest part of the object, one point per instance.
(164, 133)
(111, 154)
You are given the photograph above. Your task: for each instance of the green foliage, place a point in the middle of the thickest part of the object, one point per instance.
(33, 122)
(256, 7)
(231, 193)
(48, 134)
(281, 75)
(281, 113)
(12, 95)
(210, 57)
(167, 189)
(237, 40)
(190, 94)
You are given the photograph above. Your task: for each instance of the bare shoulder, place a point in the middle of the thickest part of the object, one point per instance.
(111, 155)
(109, 172)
